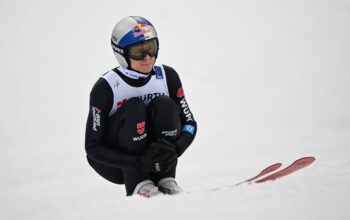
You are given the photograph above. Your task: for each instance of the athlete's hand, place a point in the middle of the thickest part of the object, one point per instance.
(158, 158)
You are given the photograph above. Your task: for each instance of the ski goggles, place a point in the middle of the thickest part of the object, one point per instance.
(139, 51)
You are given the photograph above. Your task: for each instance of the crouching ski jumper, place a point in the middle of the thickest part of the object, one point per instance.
(139, 122)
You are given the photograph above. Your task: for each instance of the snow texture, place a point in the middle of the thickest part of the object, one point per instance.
(268, 81)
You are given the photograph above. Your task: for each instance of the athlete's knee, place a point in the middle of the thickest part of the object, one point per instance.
(163, 104)
(164, 118)
(134, 105)
(127, 128)
(130, 108)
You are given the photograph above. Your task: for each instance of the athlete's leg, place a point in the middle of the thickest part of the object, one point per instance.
(127, 129)
(127, 133)
(164, 119)
(165, 122)
(115, 175)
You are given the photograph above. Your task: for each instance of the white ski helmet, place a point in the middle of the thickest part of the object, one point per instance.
(128, 31)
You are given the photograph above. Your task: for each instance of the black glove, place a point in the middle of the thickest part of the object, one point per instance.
(158, 158)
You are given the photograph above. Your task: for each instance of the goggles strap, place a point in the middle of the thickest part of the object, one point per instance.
(116, 48)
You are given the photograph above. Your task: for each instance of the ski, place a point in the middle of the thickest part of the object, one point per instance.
(267, 170)
(296, 165)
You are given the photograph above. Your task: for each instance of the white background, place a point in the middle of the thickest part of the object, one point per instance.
(268, 81)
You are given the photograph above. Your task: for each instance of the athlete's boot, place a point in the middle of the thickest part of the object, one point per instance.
(146, 188)
(169, 186)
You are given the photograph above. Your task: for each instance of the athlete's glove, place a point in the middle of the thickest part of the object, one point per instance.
(158, 158)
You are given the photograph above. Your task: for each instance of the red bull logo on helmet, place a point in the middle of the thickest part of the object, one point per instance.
(140, 29)
(138, 26)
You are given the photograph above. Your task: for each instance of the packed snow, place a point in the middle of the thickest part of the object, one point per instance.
(268, 81)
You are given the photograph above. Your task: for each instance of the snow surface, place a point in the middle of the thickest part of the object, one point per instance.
(268, 81)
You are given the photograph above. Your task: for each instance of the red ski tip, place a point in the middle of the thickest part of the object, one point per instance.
(296, 165)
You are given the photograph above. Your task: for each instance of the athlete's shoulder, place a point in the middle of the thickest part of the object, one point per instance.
(102, 86)
(173, 80)
(169, 69)
(110, 75)
(170, 73)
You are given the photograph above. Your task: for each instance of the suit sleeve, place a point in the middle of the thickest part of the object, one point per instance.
(101, 101)
(189, 125)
